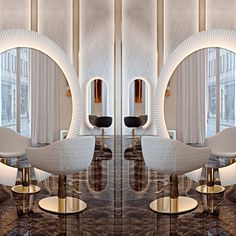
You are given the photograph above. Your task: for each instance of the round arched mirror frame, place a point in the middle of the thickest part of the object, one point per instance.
(212, 38)
(14, 38)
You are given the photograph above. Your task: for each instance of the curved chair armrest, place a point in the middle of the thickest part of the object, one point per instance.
(64, 156)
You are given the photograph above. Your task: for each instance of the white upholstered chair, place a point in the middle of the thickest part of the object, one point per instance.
(223, 144)
(12, 144)
(172, 157)
(61, 158)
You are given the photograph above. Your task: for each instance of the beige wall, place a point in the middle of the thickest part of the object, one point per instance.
(54, 21)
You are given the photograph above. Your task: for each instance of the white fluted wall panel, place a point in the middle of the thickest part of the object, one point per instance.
(55, 21)
(221, 14)
(180, 22)
(97, 50)
(139, 48)
(14, 14)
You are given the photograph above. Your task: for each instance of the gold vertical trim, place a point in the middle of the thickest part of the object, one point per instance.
(121, 69)
(114, 67)
(201, 15)
(76, 34)
(160, 35)
(34, 15)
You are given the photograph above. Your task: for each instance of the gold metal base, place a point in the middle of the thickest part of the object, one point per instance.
(66, 205)
(25, 189)
(169, 205)
(210, 189)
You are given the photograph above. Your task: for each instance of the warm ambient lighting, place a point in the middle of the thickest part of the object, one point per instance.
(14, 38)
(212, 38)
(148, 96)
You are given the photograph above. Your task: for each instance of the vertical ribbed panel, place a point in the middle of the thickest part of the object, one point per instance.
(23, 38)
(211, 38)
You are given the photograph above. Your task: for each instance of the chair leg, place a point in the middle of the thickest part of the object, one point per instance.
(210, 187)
(174, 204)
(26, 187)
(62, 204)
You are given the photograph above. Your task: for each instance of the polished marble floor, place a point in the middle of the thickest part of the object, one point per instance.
(118, 188)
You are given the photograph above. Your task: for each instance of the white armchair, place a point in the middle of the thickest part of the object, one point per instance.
(222, 145)
(61, 158)
(12, 144)
(172, 157)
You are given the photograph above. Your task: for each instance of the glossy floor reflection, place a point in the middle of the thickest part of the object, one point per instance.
(118, 188)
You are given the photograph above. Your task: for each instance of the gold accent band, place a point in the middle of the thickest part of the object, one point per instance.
(34, 15)
(201, 15)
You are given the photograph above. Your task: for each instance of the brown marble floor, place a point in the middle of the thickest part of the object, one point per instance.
(118, 188)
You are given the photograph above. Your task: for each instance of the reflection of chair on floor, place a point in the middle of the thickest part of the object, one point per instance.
(172, 157)
(132, 122)
(12, 145)
(135, 122)
(222, 145)
(63, 157)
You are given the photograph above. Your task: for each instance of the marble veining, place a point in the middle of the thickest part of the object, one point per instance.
(118, 188)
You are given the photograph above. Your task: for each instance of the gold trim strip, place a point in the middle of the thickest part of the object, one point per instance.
(201, 15)
(76, 35)
(34, 15)
(114, 67)
(121, 69)
(160, 35)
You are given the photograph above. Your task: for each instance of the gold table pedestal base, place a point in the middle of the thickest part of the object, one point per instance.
(25, 189)
(169, 205)
(66, 205)
(210, 190)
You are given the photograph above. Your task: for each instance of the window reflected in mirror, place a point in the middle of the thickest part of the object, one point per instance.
(138, 98)
(97, 98)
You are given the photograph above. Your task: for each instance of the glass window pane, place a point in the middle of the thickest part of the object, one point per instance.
(8, 90)
(211, 109)
(227, 92)
(24, 92)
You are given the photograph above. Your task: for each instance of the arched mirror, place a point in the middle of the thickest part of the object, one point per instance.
(33, 94)
(16, 38)
(223, 59)
(202, 95)
(138, 97)
(97, 97)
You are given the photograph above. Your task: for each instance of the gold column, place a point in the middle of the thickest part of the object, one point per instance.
(34, 15)
(160, 35)
(76, 35)
(201, 15)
